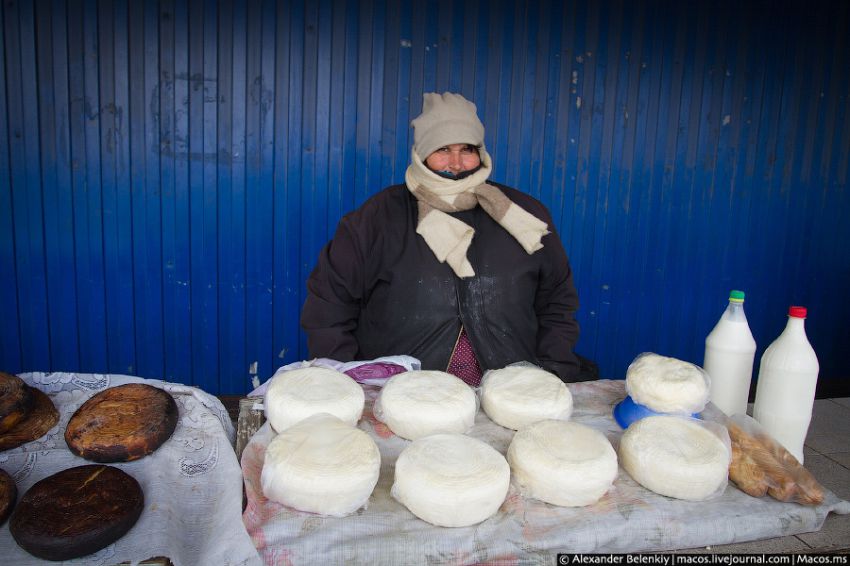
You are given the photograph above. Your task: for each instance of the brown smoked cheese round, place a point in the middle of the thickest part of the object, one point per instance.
(8, 495)
(41, 417)
(122, 423)
(76, 512)
(15, 401)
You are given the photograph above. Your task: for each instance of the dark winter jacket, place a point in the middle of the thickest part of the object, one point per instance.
(378, 290)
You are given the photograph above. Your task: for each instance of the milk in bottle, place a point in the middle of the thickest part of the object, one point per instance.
(729, 353)
(785, 392)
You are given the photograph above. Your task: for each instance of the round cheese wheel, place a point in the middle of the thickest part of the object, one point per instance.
(667, 385)
(675, 456)
(8, 495)
(418, 403)
(76, 512)
(297, 394)
(122, 423)
(515, 397)
(15, 401)
(321, 465)
(562, 463)
(451, 480)
(41, 417)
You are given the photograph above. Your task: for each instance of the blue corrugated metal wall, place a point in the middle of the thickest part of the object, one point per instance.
(169, 170)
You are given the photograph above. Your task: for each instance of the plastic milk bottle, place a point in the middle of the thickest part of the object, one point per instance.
(729, 354)
(785, 392)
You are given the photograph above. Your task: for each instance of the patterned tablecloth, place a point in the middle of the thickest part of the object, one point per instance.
(628, 518)
(192, 483)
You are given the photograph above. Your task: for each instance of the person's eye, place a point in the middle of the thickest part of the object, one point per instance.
(469, 149)
(444, 150)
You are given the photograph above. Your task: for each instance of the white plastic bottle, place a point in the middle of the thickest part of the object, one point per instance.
(785, 392)
(729, 354)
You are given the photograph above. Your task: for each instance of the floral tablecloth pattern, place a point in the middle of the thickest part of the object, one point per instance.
(192, 484)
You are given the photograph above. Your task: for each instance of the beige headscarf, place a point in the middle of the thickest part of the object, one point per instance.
(450, 119)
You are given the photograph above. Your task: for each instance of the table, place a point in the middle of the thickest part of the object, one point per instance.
(192, 484)
(627, 519)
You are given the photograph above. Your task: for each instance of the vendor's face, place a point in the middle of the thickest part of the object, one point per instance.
(455, 158)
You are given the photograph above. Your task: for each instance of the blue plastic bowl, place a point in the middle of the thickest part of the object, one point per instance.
(627, 411)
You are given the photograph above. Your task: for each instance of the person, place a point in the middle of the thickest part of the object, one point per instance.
(463, 273)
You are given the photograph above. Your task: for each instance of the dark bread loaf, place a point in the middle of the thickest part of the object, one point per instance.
(40, 419)
(8, 495)
(15, 401)
(76, 512)
(122, 423)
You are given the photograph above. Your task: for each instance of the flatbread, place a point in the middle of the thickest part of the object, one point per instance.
(76, 512)
(8, 495)
(122, 423)
(15, 401)
(41, 418)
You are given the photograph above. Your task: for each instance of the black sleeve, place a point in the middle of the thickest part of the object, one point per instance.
(334, 294)
(555, 304)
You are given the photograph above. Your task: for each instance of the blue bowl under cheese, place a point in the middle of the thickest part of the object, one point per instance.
(627, 411)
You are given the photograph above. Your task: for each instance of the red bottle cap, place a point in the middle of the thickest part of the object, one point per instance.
(797, 312)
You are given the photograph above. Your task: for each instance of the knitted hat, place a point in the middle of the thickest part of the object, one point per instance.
(446, 119)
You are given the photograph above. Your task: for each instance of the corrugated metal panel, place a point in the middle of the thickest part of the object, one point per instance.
(169, 170)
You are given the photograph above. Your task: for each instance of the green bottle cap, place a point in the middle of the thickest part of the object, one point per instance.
(737, 296)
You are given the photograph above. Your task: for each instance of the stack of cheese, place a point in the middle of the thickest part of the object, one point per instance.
(26, 414)
(319, 461)
(673, 454)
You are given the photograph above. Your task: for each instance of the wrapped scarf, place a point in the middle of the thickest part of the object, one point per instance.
(450, 238)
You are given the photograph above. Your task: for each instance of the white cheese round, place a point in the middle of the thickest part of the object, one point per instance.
(297, 394)
(418, 403)
(451, 480)
(321, 465)
(675, 456)
(667, 385)
(515, 397)
(562, 463)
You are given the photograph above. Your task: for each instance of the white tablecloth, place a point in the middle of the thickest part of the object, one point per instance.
(627, 519)
(192, 484)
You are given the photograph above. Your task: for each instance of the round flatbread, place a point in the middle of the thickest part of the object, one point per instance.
(41, 418)
(122, 423)
(15, 401)
(8, 495)
(76, 512)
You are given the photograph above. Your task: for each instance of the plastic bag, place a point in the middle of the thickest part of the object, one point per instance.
(761, 466)
(366, 372)
(667, 385)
